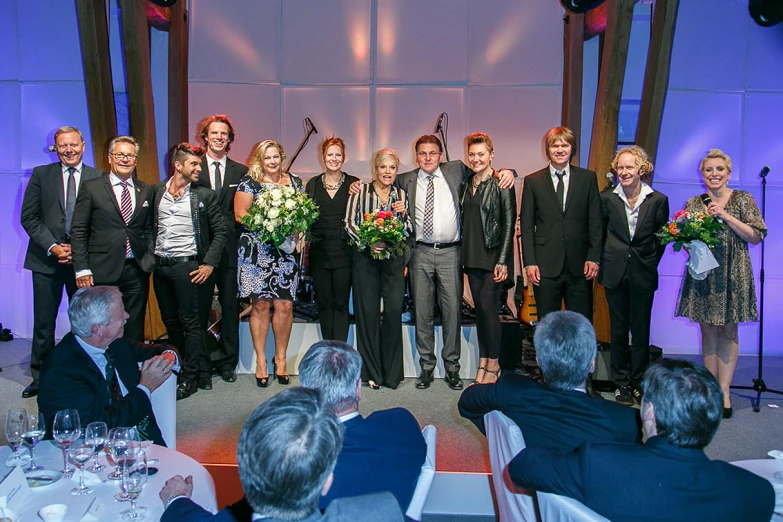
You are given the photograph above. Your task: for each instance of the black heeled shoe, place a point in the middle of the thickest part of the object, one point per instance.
(262, 382)
(373, 385)
(285, 380)
(728, 412)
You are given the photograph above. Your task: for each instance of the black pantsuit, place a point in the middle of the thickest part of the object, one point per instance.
(486, 292)
(332, 292)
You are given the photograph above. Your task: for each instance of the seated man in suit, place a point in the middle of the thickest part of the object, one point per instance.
(95, 370)
(669, 477)
(286, 453)
(558, 415)
(382, 452)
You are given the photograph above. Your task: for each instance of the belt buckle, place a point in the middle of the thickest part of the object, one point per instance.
(436, 246)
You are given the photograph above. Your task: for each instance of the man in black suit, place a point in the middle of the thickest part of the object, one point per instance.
(667, 478)
(560, 221)
(189, 239)
(47, 211)
(222, 174)
(111, 234)
(558, 415)
(96, 371)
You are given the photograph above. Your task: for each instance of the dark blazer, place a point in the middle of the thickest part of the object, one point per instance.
(455, 173)
(208, 222)
(70, 379)
(643, 253)
(498, 217)
(387, 446)
(550, 418)
(43, 214)
(647, 482)
(231, 177)
(98, 232)
(552, 238)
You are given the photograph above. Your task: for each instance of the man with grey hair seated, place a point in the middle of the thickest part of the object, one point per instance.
(558, 414)
(667, 478)
(381, 452)
(286, 456)
(95, 370)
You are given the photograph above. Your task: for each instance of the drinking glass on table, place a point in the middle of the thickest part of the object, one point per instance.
(96, 434)
(133, 481)
(79, 452)
(66, 428)
(35, 432)
(124, 449)
(15, 426)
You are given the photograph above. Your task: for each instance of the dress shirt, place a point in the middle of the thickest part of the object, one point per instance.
(566, 179)
(367, 200)
(211, 164)
(445, 218)
(632, 214)
(348, 416)
(176, 236)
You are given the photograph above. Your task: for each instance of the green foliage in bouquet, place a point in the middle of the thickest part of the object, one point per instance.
(686, 226)
(281, 213)
(381, 226)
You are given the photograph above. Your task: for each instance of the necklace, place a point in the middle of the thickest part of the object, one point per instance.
(329, 186)
(385, 203)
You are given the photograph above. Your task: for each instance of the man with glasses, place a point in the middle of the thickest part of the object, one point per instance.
(111, 234)
(47, 211)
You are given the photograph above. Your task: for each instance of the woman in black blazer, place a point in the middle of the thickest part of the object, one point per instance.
(632, 214)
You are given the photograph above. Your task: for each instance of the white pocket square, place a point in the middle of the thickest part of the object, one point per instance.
(234, 185)
(200, 204)
(145, 204)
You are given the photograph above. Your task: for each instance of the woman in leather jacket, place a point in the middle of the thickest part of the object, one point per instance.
(488, 217)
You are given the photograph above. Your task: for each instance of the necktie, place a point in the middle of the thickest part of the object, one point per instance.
(218, 179)
(70, 198)
(560, 189)
(111, 378)
(429, 207)
(126, 209)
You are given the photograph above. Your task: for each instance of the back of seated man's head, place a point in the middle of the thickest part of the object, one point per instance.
(565, 349)
(686, 400)
(90, 306)
(286, 454)
(334, 368)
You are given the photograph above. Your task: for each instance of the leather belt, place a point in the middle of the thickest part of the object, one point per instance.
(438, 246)
(170, 261)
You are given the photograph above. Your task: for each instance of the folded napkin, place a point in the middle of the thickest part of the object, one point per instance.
(700, 260)
(776, 454)
(90, 479)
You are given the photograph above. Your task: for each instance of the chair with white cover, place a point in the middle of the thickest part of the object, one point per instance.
(427, 475)
(164, 405)
(557, 508)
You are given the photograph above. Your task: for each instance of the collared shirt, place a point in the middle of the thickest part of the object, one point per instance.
(566, 180)
(347, 417)
(632, 214)
(77, 176)
(368, 200)
(116, 181)
(176, 236)
(98, 356)
(211, 164)
(445, 219)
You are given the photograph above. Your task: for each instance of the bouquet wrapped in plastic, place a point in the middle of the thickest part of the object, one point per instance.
(280, 216)
(381, 226)
(697, 231)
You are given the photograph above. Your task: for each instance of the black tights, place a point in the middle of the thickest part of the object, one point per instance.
(486, 293)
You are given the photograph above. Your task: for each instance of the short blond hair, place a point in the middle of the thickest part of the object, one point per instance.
(715, 154)
(382, 155)
(643, 162)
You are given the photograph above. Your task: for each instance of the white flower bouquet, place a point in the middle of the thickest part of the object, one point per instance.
(281, 214)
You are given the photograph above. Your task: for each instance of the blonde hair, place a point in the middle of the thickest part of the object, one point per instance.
(382, 155)
(642, 159)
(715, 154)
(256, 168)
(560, 133)
(480, 137)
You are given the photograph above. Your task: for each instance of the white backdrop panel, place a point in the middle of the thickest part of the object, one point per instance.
(326, 42)
(13, 238)
(763, 145)
(11, 114)
(40, 58)
(18, 312)
(8, 43)
(765, 48)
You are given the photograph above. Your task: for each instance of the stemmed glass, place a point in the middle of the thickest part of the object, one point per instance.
(133, 481)
(35, 432)
(124, 448)
(15, 426)
(79, 452)
(96, 434)
(66, 428)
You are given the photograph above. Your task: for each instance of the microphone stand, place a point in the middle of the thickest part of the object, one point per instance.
(441, 132)
(758, 384)
(310, 131)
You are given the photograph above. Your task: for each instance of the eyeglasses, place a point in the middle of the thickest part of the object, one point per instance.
(124, 157)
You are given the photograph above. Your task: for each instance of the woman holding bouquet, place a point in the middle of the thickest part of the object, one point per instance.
(488, 217)
(380, 267)
(267, 275)
(330, 254)
(727, 295)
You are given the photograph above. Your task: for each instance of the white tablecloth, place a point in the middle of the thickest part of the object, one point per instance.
(766, 468)
(170, 463)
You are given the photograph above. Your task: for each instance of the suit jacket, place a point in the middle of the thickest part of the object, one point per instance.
(655, 481)
(643, 252)
(388, 447)
(71, 379)
(380, 507)
(98, 231)
(208, 222)
(550, 418)
(43, 214)
(455, 173)
(553, 238)
(231, 177)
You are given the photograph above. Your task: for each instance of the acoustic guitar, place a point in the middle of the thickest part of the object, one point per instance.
(527, 312)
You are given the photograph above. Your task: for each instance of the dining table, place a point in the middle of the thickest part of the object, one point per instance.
(767, 468)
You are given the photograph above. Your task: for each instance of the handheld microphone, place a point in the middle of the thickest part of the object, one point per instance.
(764, 172)
(706, 199)
(610, 179)
(312, 127)
(52, 148)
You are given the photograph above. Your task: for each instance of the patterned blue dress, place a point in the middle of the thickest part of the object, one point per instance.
(263, 272)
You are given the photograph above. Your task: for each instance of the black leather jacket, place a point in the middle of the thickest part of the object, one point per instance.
(498, 215)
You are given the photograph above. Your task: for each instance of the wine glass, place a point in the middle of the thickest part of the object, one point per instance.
(79, 452)
(36, 429)
(133, 481)
(15, 426)
(124, 448)
(96, 434)
(66, 429)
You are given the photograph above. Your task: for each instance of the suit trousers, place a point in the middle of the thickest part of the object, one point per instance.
(47, 296)
(575, 289)
(332, 293)
(379, 341)
(432, 270)
(225, 277)
(134, 283)
(631, 310)
(179, 304)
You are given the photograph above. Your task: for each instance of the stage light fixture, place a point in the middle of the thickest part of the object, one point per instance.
(766, 13)
(580, 6)
(164, 3)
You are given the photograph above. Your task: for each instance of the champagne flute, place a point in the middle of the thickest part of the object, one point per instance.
(15, 426)
(36, 429)
(133, 481)
(96, 434)
(124, 447)
(66, 429)
(80, 451)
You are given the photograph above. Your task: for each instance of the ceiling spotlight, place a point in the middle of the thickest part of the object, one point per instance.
(766, 13)
(580, 6)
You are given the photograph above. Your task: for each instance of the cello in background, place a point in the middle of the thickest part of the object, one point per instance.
(527, 312)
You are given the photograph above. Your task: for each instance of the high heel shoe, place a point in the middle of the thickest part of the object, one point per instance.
(476, 380)
(285, 380)
(496, 373)
(728, 412)
(373, 385)
(262, 382)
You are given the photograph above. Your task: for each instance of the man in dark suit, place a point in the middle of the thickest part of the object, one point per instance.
(96, 371)
(189, 239)
(222, 174)
(47, 211)
(560, 221)
(286, 453)
(558, 415)
(111, 234)
(669, 477)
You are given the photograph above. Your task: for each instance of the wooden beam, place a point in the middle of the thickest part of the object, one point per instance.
(656, 77)
(573, 52)
(178, 74)
(94, 35)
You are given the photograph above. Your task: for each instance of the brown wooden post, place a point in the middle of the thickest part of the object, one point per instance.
(178, 74)
(573, 52)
